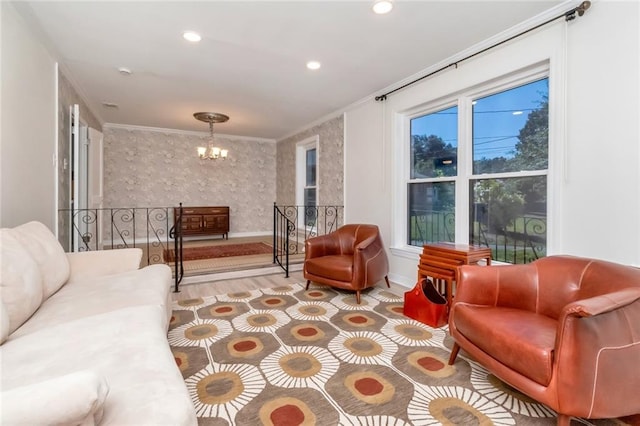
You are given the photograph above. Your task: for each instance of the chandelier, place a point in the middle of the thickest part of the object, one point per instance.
(211, 152)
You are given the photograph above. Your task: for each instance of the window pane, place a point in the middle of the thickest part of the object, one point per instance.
(510, 216)
(310, 210)
(431, 213)
(311, 167)
(434, 142)
(511, 130)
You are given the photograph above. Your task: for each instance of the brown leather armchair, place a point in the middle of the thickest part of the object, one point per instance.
(352, 258)
(563, 330)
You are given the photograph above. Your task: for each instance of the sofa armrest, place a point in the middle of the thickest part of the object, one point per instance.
(603, 303)
(323, 245)
(104, 262)
(597, 352)
(76, 398)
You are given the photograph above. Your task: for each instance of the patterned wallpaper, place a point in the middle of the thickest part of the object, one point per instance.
(151, 168)
(67, 96)
(330, 163)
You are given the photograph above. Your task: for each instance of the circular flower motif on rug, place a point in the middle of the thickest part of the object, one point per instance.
(221, 390)
(284, 289)
(223, 310)
(317, 294)
(187, 303)
(363, 348)
(237, 296)
(199, 333)
(180, 317)
(309, 311)
(431, 364)
(307, 332)
(286, 411)
(384, 295)
(503, 394)
(369, 387)
(272, 302)
(245, 347)
(267, 321)
(359, 319)
(395, 309)
(346, 419)
(412, 333)
(437, 405)
(303, 367)
(347, 301)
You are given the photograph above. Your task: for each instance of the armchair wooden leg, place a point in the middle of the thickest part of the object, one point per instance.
(563, 420)
(308, 282)
(386, 278)
(358, 297)
(454, 353)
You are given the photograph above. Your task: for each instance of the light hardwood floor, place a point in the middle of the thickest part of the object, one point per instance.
(191, 291)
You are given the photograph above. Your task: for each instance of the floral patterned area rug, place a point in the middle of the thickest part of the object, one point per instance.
(286, 356)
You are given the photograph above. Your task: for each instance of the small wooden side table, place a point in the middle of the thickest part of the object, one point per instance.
(440, 260)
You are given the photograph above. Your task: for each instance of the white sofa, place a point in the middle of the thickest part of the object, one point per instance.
(84, 336)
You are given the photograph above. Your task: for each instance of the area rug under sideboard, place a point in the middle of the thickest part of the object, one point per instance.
(289, 356)
(217, 251)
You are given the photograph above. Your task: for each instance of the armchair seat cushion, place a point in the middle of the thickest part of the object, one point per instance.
(337, 267)
(520, 339)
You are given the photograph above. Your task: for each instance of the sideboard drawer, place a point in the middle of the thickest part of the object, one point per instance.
(204, 220)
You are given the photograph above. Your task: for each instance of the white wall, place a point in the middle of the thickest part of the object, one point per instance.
(594, 143)
(28, 123)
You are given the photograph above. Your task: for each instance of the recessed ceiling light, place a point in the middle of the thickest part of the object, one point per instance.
(191, 36)
(382, 6)
(109, 105)
(313, 65)
(124, 71)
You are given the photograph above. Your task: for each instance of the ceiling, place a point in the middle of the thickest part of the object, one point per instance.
(251, 61)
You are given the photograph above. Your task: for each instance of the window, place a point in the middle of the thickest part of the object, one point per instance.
(492, 145)
(310, 186)
(307, 181)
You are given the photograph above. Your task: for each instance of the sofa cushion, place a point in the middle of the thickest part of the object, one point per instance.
(523, 341)
(80, 299)
(72, 399)
(127, 346)
(339, 268)
(20, 280)
(48, 254)
(4, 323)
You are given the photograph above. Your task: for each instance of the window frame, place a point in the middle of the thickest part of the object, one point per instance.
(302, 147)
(463, 100)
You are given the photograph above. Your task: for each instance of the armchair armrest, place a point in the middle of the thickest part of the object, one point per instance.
(370, 261)
(323, 245)
(104, 262)
(597, 353)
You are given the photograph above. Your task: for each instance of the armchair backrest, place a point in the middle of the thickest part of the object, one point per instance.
(349, 236)
(565, 279)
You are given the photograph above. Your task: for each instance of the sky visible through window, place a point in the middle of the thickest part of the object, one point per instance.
(497, 120)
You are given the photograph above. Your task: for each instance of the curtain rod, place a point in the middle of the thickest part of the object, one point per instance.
(568, 16)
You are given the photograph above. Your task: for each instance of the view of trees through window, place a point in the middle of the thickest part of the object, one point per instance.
(507, 183)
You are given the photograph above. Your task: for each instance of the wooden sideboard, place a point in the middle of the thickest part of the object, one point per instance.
(204, 221)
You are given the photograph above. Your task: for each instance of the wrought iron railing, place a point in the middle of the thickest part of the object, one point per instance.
(522, 241)
(149, 228)
(293, 225)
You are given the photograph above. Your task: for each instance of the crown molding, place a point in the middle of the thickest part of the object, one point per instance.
(132, 127)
